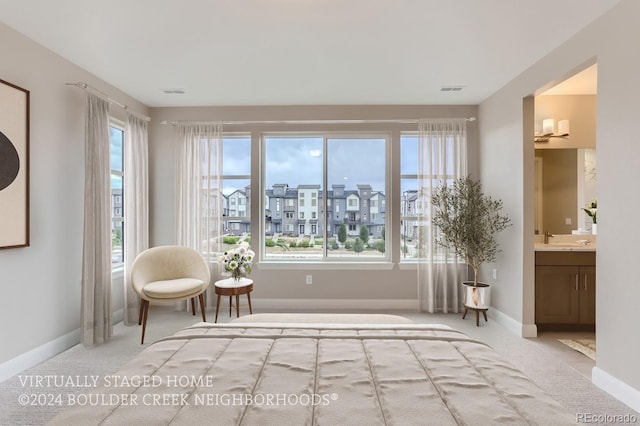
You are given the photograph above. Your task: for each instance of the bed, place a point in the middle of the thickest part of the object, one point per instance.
(319, 373)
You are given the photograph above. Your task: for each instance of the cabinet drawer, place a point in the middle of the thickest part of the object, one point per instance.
(577, 258)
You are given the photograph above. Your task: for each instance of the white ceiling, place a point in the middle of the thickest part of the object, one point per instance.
(303, 52)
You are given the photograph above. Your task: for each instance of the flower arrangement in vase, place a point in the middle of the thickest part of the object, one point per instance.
(237, 261)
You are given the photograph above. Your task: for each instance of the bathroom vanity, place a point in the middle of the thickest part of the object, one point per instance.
(565, 286)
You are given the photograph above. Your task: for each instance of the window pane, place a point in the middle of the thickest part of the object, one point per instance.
(296, 220)
(236, 190)
(410, 203)
(116, 137)
(356, 175)
(293, 178)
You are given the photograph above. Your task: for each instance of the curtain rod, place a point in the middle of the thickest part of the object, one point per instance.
(107, 98)
(328, 121)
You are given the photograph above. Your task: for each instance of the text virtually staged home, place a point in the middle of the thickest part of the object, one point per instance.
(267, 212)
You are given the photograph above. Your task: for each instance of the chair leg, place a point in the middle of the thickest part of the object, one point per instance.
(217, 308)
(201, 297)
(193, 306)
(144, 319)
(140, 312)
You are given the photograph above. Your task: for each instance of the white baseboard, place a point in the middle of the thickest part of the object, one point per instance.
(616, 388)
(41, 353)
(117, 316)
(516, 327)
(295, 304)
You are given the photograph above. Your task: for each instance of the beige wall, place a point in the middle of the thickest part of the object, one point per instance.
(506, 152)
(40, 301)
(331, 286)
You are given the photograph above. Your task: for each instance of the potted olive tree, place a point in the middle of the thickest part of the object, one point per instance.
(467, 221)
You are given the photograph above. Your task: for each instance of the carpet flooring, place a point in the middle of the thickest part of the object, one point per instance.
(547, 362)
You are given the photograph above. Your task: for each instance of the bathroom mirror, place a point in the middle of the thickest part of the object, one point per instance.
(565, 184)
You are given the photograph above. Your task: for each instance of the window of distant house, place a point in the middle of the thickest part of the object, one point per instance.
(116, 151)
(236, 180)
(310, 171)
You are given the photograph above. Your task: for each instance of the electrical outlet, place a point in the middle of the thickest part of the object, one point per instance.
(495, 274)
(309, 279)
(567, 221)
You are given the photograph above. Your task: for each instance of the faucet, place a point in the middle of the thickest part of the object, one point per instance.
(547, 235)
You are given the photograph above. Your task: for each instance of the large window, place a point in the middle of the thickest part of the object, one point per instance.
(116, 137)
(326, 184)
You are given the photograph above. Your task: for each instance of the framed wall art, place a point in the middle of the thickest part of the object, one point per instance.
(14, 166)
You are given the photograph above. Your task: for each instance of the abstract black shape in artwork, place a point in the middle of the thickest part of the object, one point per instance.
(9, 162)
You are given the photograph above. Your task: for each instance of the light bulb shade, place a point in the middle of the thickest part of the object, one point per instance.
(563, 127)
(548, 125)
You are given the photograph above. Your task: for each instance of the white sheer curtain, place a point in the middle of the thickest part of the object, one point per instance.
(442, 158)
(199, 191)
(136, 206)
(96, 252)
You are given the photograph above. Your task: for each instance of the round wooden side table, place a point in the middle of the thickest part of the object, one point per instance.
(230, 287)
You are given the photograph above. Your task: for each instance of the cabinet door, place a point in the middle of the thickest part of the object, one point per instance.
(587, 295)
(557, 295)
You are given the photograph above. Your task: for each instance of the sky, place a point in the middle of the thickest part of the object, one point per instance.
(116, 143)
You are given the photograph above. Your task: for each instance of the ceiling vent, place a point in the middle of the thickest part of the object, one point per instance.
(451, 88)
(173, 91)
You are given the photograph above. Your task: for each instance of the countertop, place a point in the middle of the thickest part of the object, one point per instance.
(566, 246)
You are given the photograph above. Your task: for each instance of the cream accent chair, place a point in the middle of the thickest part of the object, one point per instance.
(169, 274)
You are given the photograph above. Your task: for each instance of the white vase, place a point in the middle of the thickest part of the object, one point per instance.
(594, 229)
(476, 297)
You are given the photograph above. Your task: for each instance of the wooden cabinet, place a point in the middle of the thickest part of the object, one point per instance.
(565, 290)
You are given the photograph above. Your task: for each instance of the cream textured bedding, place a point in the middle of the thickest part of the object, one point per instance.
(318, 374)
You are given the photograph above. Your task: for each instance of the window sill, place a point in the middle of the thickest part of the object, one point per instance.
(117, 272)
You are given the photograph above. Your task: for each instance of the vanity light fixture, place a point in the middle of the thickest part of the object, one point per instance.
(548, 130)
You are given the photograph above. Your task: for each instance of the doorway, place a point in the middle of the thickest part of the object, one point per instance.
(560, 193)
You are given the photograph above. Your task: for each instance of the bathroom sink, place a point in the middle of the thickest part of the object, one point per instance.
(566, 246)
